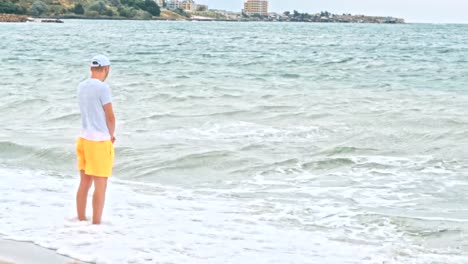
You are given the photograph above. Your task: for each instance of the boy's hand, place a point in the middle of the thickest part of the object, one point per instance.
(113, 139)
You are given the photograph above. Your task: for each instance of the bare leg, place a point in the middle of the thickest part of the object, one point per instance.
(82, 195)
(100, 186)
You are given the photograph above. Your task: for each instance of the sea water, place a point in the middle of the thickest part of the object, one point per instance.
(243, 142)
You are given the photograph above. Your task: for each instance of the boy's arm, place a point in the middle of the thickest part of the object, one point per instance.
(110, 120)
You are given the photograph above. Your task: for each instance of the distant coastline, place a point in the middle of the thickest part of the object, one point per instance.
(335, 19)
(20, 11)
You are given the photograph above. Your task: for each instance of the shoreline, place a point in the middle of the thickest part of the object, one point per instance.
(215, 20)
(16, 252)
(8, 18)
(222, 20)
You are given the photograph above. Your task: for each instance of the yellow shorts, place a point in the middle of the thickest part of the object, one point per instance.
(96, 158)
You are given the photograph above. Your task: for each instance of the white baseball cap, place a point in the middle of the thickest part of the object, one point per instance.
(100, 61)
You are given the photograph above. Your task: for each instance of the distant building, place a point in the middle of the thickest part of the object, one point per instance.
(172, 4)
(187, 5)
(256, 7)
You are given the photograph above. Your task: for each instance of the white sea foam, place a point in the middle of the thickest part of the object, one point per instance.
(158, 224)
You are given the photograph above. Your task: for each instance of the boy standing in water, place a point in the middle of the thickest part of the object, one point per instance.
(95, 146)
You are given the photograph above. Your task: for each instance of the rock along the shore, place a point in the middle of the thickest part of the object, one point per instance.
(12, 18)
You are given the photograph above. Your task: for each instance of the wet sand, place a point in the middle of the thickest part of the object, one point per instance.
(13, 252)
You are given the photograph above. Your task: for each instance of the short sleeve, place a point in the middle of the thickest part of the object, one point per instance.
(106, 96)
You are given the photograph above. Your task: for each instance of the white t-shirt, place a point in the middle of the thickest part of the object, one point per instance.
(92, 96)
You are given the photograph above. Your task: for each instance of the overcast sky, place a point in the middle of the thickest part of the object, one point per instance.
(437, 11)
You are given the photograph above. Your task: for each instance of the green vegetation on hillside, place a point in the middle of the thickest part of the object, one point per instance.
(137, 9)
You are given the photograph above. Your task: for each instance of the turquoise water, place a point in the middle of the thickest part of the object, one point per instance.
(285, 141)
